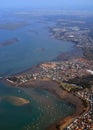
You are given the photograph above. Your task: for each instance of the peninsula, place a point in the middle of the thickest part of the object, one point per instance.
(56, 77)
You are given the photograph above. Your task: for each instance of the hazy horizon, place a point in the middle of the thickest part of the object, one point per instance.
(43, 4)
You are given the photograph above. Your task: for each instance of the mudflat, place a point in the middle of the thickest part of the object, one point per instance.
(54, 88)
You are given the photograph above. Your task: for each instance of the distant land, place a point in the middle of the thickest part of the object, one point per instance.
(9, 42)
(13, 25)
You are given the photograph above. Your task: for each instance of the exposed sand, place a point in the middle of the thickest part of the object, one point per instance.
(17, 101)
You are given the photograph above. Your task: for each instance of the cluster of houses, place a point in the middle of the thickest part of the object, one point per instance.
(74, 34)
(85, 121)
(63, 71)
(59, 71)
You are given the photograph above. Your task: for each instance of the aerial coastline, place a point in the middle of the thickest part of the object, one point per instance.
(63, 91)
(60, 76)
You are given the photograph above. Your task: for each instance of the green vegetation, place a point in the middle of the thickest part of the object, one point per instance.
(85, 81)
(88, 53)
(85, 103)
(69, 87)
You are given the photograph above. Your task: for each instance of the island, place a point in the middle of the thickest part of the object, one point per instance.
(13, 25)
(9, 42)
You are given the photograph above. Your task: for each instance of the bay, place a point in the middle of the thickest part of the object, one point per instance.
(34, 46)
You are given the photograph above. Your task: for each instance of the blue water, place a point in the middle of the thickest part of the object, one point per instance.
(20, 56)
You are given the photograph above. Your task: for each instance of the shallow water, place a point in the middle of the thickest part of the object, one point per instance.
(44, 108)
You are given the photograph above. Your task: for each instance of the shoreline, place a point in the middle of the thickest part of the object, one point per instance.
(76, 52)
(53, 87)
(68, 97)
(72, 54)
(63, 56)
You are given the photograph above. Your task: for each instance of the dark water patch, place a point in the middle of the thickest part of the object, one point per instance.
(9, 42)
(74, 53)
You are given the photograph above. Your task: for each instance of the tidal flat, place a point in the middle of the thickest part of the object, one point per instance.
(45, 108)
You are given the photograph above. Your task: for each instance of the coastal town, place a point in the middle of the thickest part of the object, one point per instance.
(80, 36)
(74, 34)
(85, 121)
(62, 72)
(58, 71)
(77, 32)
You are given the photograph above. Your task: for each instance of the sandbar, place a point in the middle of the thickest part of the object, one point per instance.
(16, 101)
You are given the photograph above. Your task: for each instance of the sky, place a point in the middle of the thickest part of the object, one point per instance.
(61, 4)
